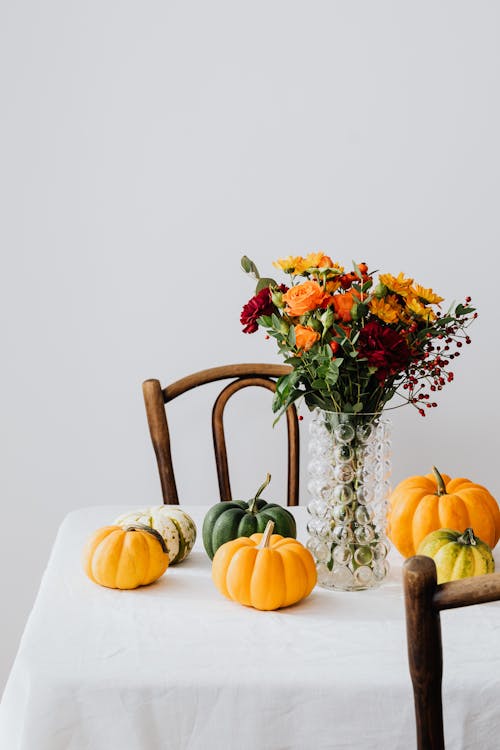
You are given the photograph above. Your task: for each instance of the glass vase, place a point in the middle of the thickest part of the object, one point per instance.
(349, 481)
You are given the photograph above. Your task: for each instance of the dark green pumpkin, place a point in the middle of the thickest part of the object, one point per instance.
(230, 520)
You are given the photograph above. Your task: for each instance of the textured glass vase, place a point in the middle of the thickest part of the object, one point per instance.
(349, 482)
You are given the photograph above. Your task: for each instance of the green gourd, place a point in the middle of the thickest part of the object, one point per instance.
(229, 520)
(456, 554)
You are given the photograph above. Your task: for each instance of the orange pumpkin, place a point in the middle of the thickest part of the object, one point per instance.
(125, 558)
(422, 504)
(264, 571)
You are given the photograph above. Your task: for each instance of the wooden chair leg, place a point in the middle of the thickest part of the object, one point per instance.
(424, 650)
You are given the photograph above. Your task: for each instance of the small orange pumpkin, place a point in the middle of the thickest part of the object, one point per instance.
(421, 504)
(265, 571)
(125, 558)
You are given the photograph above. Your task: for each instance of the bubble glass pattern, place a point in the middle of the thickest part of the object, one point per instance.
(349, 483)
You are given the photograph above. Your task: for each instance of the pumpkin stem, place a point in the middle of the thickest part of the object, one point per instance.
(252, 508)
(441, 487)
(467, 538)
(266, 536)
(153, 532)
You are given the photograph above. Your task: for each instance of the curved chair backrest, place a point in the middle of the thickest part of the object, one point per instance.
(424, 599)
(241, 376)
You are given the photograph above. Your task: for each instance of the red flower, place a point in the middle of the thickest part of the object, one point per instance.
(383, 348)
(259, 305)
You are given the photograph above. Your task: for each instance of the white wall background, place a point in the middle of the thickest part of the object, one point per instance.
(144, 146)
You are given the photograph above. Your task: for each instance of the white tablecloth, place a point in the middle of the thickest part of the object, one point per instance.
(177, 666)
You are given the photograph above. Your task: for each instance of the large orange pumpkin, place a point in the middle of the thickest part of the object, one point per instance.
(422, 504)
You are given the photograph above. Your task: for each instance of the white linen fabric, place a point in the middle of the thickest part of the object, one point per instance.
(176, 666)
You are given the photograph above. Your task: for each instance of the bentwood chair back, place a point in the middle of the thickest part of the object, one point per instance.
(241, 376)
(424, 600)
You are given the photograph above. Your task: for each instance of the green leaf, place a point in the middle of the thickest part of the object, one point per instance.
(265, 321)
(249, 267)
(276, 322)
(357, 407)
(246, 264)
(294, 361)
(327, 317)
(276, 403)
(291, 336)
(356, 270)
(367, 285)
(463, 310)
(282, 384)
(318, 383)
(362, 310)
(263, 284)
(313, 399)
(292, 397)
(333, 374)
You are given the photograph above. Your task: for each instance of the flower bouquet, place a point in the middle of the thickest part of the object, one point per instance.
(354, 342)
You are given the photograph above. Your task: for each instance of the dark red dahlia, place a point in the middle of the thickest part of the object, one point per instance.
(384, 349)
(261, 304)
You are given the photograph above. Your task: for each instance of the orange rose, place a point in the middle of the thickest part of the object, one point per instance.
(342, 304)
(305, 337)
(303, 298)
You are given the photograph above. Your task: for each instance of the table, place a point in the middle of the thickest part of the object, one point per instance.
(177, 666)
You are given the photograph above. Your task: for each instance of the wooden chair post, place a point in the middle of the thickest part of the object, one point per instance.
(156, 398)
(158, 428)
(423, 628)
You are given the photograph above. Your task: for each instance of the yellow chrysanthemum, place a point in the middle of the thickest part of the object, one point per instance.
(397, 284)
(312, 260)
(426, 295)
(291, 265)
(320, 260)
(387, 309)
(417, 308)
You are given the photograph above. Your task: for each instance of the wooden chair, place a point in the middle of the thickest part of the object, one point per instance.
(424, 600)
(242, 376)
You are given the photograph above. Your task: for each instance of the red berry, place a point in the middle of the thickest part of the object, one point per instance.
(334, 346)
